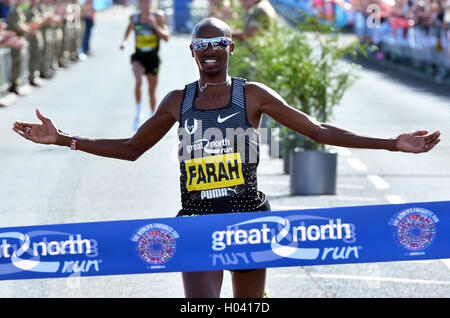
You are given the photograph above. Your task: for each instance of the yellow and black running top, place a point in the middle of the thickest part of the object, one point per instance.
(219, 156)
(146, 38)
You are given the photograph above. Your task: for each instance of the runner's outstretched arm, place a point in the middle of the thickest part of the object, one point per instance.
(127, 149)
(272, 104)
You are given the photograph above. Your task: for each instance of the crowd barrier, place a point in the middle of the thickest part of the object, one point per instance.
(403, 42)
(397, 40)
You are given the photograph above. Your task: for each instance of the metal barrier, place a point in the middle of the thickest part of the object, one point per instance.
(426, 49)
(413, 44)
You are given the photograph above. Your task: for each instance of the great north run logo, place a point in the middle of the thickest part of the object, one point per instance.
(289, 237)
(47, 252)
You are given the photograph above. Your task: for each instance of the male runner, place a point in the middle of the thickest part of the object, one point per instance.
(149, 27)
(218, 174)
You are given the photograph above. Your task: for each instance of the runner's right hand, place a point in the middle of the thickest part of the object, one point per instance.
(45, 133)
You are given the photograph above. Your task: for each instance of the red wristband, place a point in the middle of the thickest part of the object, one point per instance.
(74, 143)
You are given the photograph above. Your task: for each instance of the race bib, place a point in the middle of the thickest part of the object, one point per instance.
(146, 41)
(214, 172)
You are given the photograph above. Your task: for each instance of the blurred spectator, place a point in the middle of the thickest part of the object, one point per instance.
(221, 9)
(35, 40)
(9, 38)
(59, 59)
(17, 23)
(87, 15)
(259, 15)
(74, 22)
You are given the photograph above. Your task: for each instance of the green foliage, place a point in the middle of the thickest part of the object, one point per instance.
(304, 65)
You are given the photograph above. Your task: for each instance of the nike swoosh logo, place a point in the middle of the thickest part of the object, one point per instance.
(221, 120)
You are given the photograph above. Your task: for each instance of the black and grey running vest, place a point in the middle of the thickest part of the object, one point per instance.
(219, 155)
(146, 39)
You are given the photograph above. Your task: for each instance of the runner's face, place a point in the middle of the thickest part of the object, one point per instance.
(212, 62)
(144, 5)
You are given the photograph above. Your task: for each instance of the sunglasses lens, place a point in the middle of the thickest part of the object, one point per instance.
(217, 44)
(220, 44)
(199, 45)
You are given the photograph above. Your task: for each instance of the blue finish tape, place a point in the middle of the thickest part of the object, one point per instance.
(379, 233)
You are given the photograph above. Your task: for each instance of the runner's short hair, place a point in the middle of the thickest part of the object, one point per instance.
(212, 23)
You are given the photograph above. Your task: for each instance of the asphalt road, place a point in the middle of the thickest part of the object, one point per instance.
(49, 185)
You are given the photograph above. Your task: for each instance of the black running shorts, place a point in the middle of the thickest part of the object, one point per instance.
(264, 207)
(149, 60)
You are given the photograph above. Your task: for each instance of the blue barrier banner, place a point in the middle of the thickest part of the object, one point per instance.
(379, 233)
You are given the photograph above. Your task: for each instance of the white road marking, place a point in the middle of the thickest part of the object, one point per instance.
(446, 262)
(394, 199)
(356, 164)
(378, 182)
(367, 278)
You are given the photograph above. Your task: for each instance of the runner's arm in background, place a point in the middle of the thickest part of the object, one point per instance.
(127, 33)
(160, 26)
(127, 149)
(262, 99)
(243, 34)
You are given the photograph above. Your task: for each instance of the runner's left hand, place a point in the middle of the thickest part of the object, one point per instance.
(45, 133)
(417, 141)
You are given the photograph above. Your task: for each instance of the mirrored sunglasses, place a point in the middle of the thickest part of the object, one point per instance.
(220, 43)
